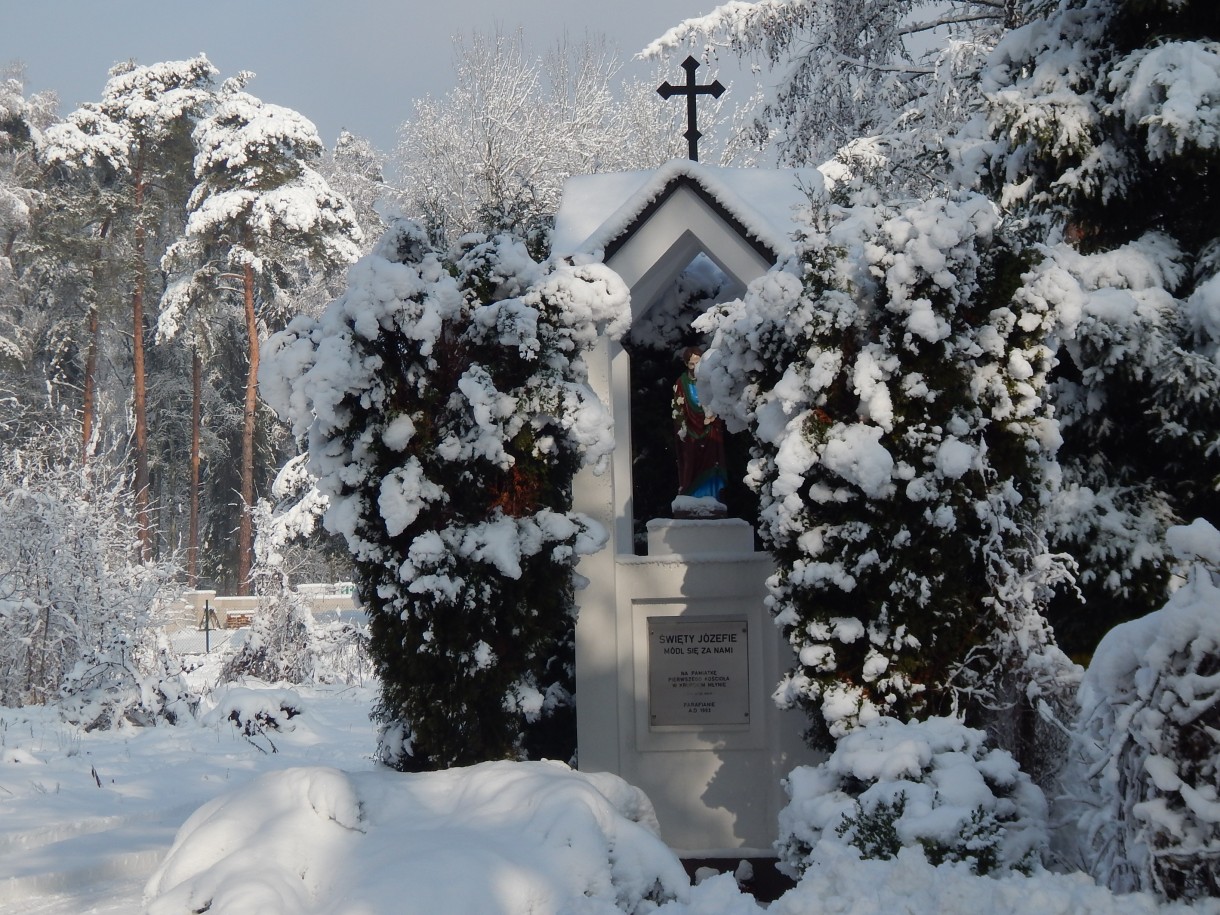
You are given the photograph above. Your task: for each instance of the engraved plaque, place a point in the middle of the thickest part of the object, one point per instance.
(698, 671)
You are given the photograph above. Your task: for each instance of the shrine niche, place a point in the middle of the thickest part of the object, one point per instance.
(683, 238)
(655, 347)
(703, 740)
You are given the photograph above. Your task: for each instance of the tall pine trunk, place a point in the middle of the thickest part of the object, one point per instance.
(192, 535)
(89, 403)
(139, 392)
(245, 529)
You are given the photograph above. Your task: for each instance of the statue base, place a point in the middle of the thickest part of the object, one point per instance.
(699, 536)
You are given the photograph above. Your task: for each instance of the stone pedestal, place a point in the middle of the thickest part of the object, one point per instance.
(676, 661)
(699, 537)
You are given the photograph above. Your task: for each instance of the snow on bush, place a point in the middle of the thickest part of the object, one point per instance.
(77, 610)
(254, 710)
(493, 838)
(1102, 119)
(128, 679)
(903, 453)
(285, 641)
(1150, 739)
(444, 400)
(931, 784)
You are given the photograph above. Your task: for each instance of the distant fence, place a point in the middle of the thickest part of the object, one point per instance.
(192, 609)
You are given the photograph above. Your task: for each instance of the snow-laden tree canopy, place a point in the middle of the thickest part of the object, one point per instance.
(17, 136)
(1106, 142)
(258, 193)
(258, 203)
(18, 196)
(878, 79)
(444, 404)
(140, 105)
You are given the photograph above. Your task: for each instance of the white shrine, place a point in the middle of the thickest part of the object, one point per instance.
(676, 655)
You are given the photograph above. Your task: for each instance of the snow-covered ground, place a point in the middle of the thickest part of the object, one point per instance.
(299, 820)
(86, 818)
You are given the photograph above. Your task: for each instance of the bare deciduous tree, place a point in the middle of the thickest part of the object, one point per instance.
(493, 153)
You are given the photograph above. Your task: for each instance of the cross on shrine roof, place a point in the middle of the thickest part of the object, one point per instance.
(690, 90)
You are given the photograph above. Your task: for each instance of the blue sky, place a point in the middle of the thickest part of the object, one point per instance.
(346, 64)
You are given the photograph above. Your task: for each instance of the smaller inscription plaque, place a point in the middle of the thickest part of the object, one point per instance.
(698, 671)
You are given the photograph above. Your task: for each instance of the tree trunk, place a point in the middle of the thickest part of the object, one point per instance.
(192, 535)
(245, 529)
(89, 406)
(139, 393)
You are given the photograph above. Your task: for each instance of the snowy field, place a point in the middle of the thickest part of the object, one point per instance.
(298, 820)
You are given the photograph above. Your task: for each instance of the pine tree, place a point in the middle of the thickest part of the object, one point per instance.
(18, 199)
(152, 110)
(262, 217)
(18, 171)
(894, 388)
(446, 414)
(56, 279)
(1108, 143)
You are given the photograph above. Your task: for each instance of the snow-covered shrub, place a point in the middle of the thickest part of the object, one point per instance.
(444, 401)
(341, 652)
(278, 646)
(77, 609)
(933, 784)
(1148, 777)
(903, 453)
(124, 680)
(285, 643)
(254, 712)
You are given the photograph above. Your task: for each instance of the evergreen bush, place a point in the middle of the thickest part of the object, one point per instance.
(444, 401)
(894, 387)
(931, 784)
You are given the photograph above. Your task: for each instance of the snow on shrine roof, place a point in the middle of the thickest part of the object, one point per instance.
(597, 211)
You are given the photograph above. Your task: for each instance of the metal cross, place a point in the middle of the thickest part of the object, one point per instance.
(690, 90)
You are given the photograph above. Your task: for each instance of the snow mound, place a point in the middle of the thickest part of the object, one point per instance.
(499, 837)
(908, 884)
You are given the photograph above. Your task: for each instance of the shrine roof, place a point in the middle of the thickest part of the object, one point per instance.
(598, 212)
